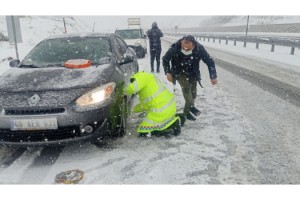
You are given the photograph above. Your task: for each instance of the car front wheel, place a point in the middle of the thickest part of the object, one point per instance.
(140, 52)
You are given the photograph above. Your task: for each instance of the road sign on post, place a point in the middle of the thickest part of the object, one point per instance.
(133, 22)
(14, 31)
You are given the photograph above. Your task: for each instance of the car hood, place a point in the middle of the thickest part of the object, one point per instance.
(58, 78)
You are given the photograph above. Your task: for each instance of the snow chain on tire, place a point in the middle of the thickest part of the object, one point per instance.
(124, 115)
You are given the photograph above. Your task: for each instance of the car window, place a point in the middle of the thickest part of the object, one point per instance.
(59, 50)
(117, 48)
(122, 45)
(129, 34)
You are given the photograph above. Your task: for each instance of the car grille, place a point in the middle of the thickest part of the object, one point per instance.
(33, 111)
(40, 135)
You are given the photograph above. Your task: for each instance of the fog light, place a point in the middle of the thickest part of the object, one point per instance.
(87, 129)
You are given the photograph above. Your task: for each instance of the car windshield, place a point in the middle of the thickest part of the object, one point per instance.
(129, 34)
(55, 52)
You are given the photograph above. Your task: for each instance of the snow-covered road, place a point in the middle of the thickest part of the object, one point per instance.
(245, 135)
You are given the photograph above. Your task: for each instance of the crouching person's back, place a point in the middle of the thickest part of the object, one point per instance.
(157, 102)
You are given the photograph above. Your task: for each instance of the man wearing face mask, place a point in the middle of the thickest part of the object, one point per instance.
(185, 56)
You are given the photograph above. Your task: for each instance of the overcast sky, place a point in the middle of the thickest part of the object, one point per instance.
(110, 23)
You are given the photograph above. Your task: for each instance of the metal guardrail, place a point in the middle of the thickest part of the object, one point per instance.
(292, 42)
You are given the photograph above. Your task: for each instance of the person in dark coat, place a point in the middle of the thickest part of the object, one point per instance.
(154, 34)
(185, 56)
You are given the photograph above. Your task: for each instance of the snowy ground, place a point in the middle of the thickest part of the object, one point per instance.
(245, 135)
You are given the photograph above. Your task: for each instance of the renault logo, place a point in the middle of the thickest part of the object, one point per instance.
(33, 100)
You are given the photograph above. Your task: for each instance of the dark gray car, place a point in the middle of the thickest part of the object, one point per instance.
(43, 101)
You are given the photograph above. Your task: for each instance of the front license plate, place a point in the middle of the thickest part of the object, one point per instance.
(33, 124)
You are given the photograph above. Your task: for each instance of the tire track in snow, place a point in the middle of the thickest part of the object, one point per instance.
(13, 173)
(11, 156)
(41, 165)
(29, 165)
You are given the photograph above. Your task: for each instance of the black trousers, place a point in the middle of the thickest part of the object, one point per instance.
(155, 54)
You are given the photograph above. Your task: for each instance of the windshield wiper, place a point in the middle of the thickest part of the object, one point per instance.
(28, 66)
(54, 65)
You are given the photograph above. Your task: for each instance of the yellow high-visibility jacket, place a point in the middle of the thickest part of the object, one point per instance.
(155, 99)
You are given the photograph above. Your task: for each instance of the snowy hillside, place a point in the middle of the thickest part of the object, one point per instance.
(237, 20)
(35, 28)
(49, 25)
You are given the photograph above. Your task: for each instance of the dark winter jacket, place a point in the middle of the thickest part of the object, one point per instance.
(154, 34)
(178, 60)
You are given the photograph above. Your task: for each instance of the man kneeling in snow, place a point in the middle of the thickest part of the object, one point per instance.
(157, 102)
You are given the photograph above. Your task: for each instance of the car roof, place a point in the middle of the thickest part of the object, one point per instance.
(81, 35)
(124, 29)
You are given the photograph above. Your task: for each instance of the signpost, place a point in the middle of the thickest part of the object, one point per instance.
(133, 22)
(176, 28)
(246, 31)
(14, 31)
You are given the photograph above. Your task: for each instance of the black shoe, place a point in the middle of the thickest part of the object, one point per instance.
(166, 133)
(174, 129)
(152, 70)
(191, 117)
(176, 126)
(145, 134)
(157, 71)
(182, 117)
(195, 111)
(157, 133)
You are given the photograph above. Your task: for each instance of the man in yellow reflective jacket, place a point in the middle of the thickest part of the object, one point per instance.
(157, 102)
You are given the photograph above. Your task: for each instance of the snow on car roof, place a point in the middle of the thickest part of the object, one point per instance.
(81, 35)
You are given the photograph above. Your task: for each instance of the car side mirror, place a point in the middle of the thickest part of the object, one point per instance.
(145, 36)
(14, 63)
(128, 58)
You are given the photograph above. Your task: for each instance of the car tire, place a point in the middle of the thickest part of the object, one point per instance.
(140, 52)
(144, 54)
(116, 125)
(121, 120)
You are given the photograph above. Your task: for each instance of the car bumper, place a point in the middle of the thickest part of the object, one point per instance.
(70, 128)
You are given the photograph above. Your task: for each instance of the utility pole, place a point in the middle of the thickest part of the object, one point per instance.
(246, 31)
(93, 27)
(65, 25)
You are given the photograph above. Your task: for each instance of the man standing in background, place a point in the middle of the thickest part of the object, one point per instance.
(154, 34)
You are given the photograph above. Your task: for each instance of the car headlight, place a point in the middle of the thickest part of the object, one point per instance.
(96, 95)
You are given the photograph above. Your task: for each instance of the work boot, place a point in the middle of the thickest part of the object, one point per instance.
(174, 129)
(157, 133)
(176, 126)
(195, 111)
(182, 117)
(191, 117)
(147, 134)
